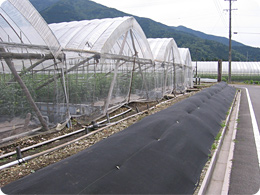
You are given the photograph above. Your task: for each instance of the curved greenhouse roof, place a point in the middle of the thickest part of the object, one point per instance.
(83, 68)
(185, 56)
(177, 67)
(104, 36)
(165, 48)
(21, 23)
(26, 41)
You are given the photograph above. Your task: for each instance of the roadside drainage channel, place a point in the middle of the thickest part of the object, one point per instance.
(215, 182)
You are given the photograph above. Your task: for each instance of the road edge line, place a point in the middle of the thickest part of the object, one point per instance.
(255, 126)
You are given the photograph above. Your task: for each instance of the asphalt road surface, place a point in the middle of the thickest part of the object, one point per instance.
(245, 174)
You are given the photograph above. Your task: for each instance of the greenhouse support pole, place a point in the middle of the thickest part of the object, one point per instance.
(131, 82)
(174, 78)
(30, 68)
(115, 75)
(26, 92)
(136, 54)
(111, 88)
(65, 90)
(67, 71)
(165, 79)
(174, 74)
(145, 84)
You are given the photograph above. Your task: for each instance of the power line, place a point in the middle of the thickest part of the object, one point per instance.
(219, 9)
(246, 33)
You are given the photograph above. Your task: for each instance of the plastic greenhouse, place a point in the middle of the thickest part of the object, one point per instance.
(186, 61)
(83, 68)
(27, 46)
(241, 71)
(166, 54)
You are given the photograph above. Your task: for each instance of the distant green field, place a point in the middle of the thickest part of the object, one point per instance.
(246, 78)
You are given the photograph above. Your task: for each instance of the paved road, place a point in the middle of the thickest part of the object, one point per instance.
(245, 174)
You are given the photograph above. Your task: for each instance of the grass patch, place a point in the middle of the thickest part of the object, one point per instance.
(223, 124)
(218, 136)
(213, 147)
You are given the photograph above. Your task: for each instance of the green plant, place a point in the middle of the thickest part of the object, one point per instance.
(223, 124)
(213, 147)
(218, 136)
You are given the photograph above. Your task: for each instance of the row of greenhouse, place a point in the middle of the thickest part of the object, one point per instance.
(50, 73)
(240, 71)
(89, 68)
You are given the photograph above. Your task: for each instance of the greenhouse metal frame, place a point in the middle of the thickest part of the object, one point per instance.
(50, 73)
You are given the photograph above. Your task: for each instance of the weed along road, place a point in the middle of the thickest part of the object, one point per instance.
(245, 174)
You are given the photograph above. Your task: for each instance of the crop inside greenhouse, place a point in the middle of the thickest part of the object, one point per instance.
(50, 73)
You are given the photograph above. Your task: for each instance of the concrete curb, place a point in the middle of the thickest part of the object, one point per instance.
(208, 176)
(225, 187)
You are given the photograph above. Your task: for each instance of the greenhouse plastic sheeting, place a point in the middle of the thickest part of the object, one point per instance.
(165, 49)
(106, 82)
(103, 36)
(27, 46)
(90, 69)
(162, 154)
(188, 71)
(21, 23)
(166, 54)
(238, 69)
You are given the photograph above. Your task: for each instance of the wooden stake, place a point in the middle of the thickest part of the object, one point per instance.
(219, 70)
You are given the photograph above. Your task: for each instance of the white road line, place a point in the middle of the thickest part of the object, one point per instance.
(255, 126)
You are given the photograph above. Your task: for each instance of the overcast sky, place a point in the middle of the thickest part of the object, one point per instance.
(208, 16)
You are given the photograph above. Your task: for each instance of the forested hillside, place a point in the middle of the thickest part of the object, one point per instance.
(201, 47)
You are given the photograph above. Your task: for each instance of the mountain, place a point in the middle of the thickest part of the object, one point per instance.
(75, 10)
(251, 53)
(201, 47)
(202, 35)
(41, 5)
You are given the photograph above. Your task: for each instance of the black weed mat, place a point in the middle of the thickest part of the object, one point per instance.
(162, 154)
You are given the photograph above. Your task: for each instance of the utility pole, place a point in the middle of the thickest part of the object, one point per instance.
(230, 43)
(230, 40)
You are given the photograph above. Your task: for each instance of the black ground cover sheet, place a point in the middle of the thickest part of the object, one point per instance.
(162, 154)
